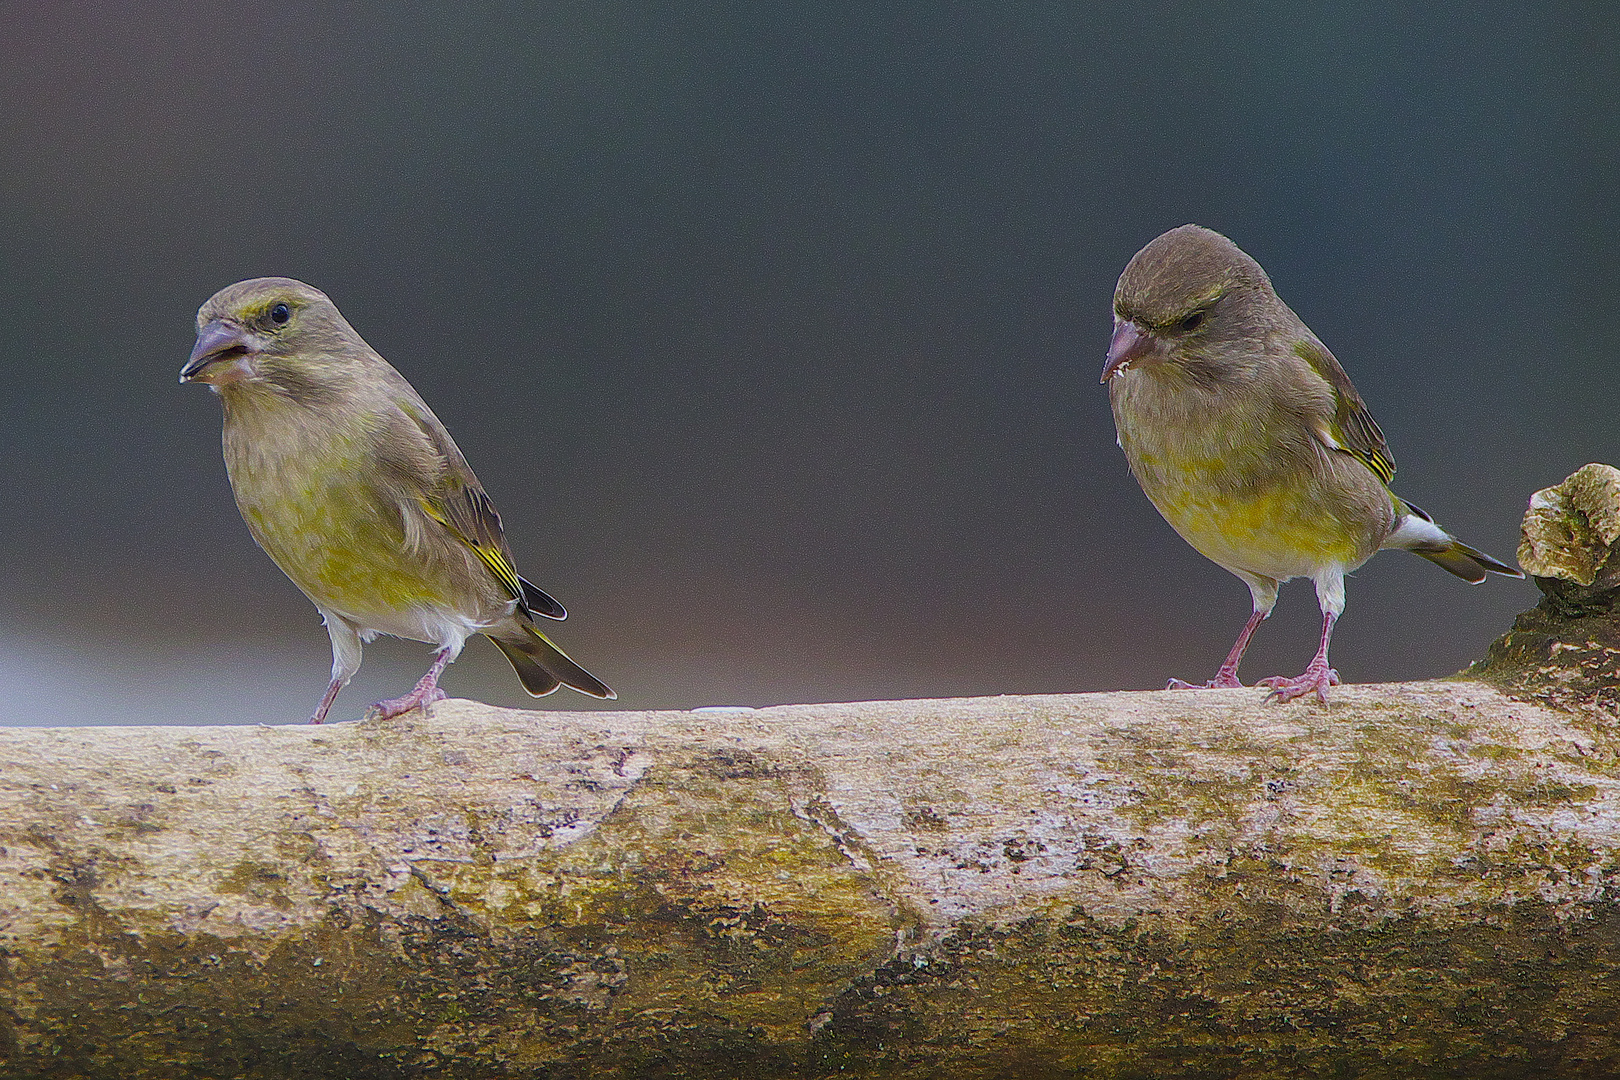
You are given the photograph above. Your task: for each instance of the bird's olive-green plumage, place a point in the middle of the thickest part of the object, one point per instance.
(1221, 425)
(1246, 433)
(357, 491)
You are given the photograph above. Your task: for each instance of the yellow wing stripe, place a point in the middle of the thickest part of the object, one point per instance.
(491, 557)
(503, 569)
(1352, 428)
(1375, 459)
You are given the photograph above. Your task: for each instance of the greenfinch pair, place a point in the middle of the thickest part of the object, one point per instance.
(1239, 424)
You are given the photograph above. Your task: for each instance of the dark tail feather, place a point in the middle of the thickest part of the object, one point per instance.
(1467, 563)
(1416, 532)
(543, 667)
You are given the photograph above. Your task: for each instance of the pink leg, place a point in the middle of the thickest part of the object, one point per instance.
(326, 702)
(1316, 678)
(1227, 676)
(426, 693)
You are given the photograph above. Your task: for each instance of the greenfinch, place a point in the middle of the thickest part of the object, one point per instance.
(356, 490)
(1247, 435)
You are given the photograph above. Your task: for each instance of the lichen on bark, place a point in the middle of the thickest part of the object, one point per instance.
(1566, 650)
(1416, 880)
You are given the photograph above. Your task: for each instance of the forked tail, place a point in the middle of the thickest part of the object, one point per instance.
(543, 667)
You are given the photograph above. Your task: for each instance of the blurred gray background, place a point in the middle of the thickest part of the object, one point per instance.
(774, 329)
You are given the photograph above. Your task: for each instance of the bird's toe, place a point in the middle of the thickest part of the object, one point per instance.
(387, 710)
(1314, 680)
(1222, 681)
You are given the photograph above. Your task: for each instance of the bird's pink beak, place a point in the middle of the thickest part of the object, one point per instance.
(1129, 344)
(223, 354)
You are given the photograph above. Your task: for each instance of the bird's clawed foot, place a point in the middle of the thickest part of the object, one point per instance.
(1223, 680)
(1316, 678)
(422, 696)
(419, 698)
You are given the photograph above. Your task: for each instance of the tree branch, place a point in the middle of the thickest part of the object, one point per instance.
(1417, 880)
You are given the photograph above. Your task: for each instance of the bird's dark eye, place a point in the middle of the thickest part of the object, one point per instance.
(1191, 322)
(280, 314)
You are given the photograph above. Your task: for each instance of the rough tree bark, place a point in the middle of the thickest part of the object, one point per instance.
(1416, 880)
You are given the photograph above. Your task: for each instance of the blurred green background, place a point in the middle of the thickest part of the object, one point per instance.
(774, 329)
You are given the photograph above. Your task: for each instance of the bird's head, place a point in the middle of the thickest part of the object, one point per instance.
(270, 331)
(1190, 298)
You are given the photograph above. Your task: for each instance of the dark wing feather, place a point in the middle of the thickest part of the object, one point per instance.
(1352, 427)
(540, 602)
